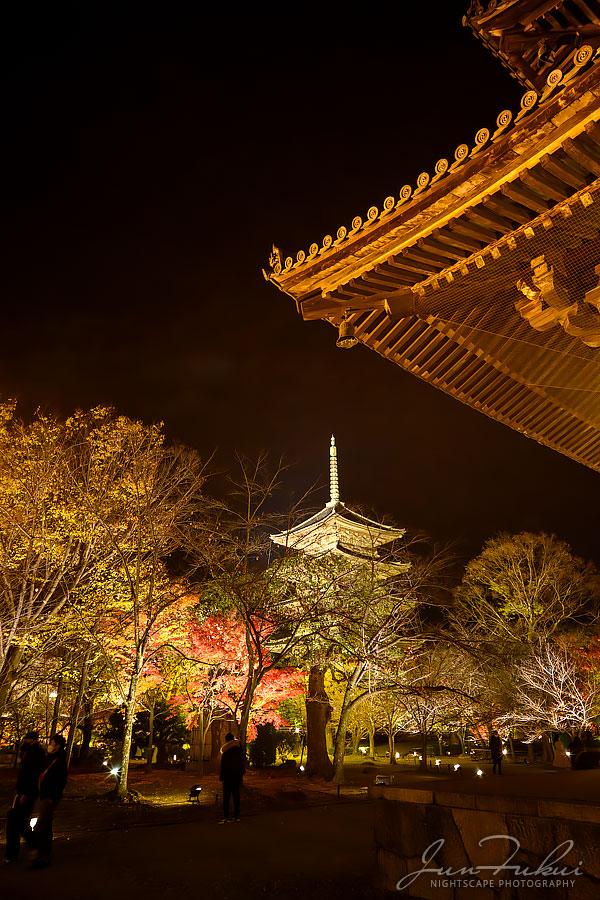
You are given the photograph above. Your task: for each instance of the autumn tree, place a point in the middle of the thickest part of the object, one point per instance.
(525, 588)
(147, 500)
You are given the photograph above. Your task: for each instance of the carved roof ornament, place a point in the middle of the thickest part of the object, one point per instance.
(548, 302)
(531, 37)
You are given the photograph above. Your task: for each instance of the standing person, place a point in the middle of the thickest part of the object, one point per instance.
(33, 761)
(496, 752)
(51, 786)
(232, 772)
(561, 760)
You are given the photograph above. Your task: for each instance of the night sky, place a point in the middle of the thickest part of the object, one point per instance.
(152, 154)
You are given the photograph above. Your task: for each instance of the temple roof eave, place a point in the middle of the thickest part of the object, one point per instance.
(484, 171)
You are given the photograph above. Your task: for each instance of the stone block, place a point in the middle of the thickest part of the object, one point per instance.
(576, 812)
(400, 827)
(586, 846)
(453, 798)
(584, 889)
(407, 795)
(476, 825)
(524, 806)
(535, 836)
(440, 825)
(390, 869)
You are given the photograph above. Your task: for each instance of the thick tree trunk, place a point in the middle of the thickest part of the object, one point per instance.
(8, 674)
(372, 742)
(318, 714)
(150, 738)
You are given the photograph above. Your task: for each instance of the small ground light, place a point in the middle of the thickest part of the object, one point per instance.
(363, 749)
(568, 752)
(504, 752)
(479, 772)
(195, 792)
(397, 755)
(438, 762)
(174, 757)
(105, 762)
(302, 768)
(114, 770)
(456, 767)
(421, 758)
(33, 822)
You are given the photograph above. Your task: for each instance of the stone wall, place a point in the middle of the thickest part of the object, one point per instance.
(408, 822)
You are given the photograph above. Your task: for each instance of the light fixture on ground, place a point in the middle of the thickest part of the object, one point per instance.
(346, 333)
(479, 772)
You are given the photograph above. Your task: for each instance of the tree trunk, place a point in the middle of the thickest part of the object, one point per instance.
(57, 702)
(391, 747)
(355, 741)
(8, 674)
(202, 740)
(340, 744)
(423, 762)
(318, 714)
(440, 747)
(150, 737)
(77, 706)
(122, 786)
(547, 751)
(87, 728)
(372, 742)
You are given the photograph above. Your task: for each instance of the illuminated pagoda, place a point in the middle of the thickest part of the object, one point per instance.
(482, 277)
(340, 531)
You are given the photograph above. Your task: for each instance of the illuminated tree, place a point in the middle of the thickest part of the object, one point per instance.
(147, 499)
(524, 588)
(553, 693)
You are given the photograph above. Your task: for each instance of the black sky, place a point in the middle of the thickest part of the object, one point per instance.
(151, 156)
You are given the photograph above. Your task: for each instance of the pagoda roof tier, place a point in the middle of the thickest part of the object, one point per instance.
(481, 280)
(533, 37)
(337, 529)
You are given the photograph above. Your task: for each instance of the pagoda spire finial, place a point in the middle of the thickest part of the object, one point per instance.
(334, 485)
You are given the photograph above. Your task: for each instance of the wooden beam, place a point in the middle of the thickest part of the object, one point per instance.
(567, 170)
(470, 229)
(545, 184)
(516, 190)
(581, 156)
(453, 253)
(511, 211)
(456, 240)
(487, 217)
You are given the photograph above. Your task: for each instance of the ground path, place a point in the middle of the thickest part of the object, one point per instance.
(318, 851)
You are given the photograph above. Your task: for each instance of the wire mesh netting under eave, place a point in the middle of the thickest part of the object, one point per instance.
(532, 304)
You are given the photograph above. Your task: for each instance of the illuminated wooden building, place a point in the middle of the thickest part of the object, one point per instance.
(482, 277)
(340, 531)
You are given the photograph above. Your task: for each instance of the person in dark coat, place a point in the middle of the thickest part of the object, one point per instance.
(496, 752)
(51, 786)
(232, 772)
(33, 761)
